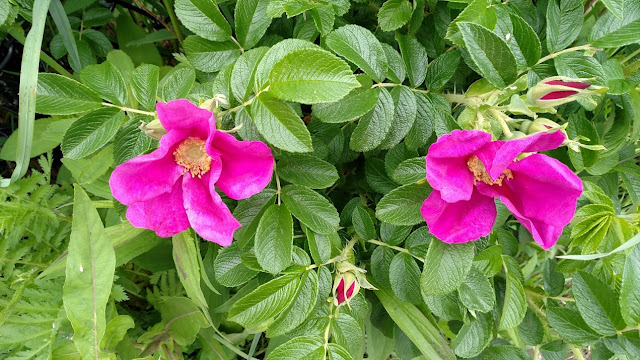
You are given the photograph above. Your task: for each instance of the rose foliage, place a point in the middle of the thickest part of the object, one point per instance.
(330, 179)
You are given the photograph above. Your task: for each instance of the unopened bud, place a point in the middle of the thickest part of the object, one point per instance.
(557, 90)
(345, 287)
(153, 129)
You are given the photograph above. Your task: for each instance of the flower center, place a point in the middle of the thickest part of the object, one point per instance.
(480, 173)
(191, 155)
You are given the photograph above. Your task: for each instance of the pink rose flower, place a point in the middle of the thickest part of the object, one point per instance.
(467, 170)
(174, 187)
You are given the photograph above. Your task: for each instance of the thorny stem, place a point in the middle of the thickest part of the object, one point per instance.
(327, 330)
(397, 248)
(559, 298)
(168, 4)
(572, 49)
(279, 189)
(128, 109)
(329, 262)
(576, 352)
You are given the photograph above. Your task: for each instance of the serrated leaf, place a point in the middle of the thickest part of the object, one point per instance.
(393, 14)
(204, 18)
(88, 277)
(259, 308)
(476, 292)
(404, 116)
(361, 47)
(445, 267)
(130, 141)
(91, 132)
(415, 59)
(229, 269)
(490, 53)
(107, 81)
(186, 256)
(402, 206)
(629, 297)
(598, 304)
(178, 83)
(210, 56)
(564, 21)
(274, 239)
(251, 21)
(59, 95)
(442, 69)
(481, 12)
(280, 124)
(363, 223)
(301, 307)
(410, 170)
(348, 334)
(611, 31)
(307, 170)
(243, 73)
(404, 276)
(530, 329)
(374, 126)
(569, 324)
(356, 104)
(473, 337)
(275, 54)
(520, 37)
(115, 331)
(515, 304)
(144, 85)
(396, 71)
(248, 213)
(311, 208)
(299, 348)
(311, 76)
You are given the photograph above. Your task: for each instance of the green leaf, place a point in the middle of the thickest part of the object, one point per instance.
(377, 177)
(445, 267)
(415, 59)
(307, 170)
(416, 326)
(410, 171)
(186, 256)
(107, 81)
(396, 71)
(130, 141)
(59, 95)
(182, 319)
(275, 54)
(404, 117)
(280, 124)
(348, 333)
(598, 304)
(442, 69)
(609, 31)
(299, 348)
(520, 37)
(91, 132)
(301, 307)
(64, 28)
(481, 12)
(144, 85)
(209, 56)
(311, 76)
(311, 208)
(242, 75)
(404, 276)
(49, 133)
(530, 329)
(505, 352)
(259, 308)
(204, 18)
(89, 275)
(361, 47)
(229, 269)
(178, 83)
(393, 14)
(476, 292)
(490, 54)
(564, 21)
(115, 331)
(570, 325)
(356, 104)
(274, 239)
(629, 297)
(363, 223)
(615, 7)
(374, 126)
(320, 246)
(515, 302)
(152, 37)
(402, 206)
(422, 129)
(474, 336)
(553, 280)
(251, 21)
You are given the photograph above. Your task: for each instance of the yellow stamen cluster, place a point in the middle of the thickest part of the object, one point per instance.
(191, 155)
(480, 173)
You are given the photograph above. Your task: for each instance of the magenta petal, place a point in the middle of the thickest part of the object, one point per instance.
(163, 214)
(542, 195)
(184, 116)
(208, 215)
(247, 166)
(147, 176)
(511, 149)
(461, 221)
(554, 95)
(447, 169)
(573, 84)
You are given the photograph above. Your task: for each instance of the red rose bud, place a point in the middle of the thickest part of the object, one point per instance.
(557, 91)
(345, 287)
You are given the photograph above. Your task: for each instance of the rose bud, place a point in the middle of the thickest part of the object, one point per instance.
(557, 91)
(345, 287)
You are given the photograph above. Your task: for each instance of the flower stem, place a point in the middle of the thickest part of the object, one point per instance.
(397, 248)
(555, 54)
(237, 43)
(279, 189)
(128, 109)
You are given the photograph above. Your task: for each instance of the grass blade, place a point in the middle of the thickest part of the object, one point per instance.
(62, 23)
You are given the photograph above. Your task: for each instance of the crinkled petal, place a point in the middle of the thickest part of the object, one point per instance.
(542, 195)
(447, 169)
(459, 222)
(208, 215)
(511, 149)
(164, 214)
(247, 166)
(147, 176)
(184, 116)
